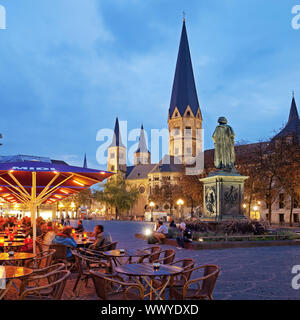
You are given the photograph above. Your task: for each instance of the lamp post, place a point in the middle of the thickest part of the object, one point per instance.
(73, 207)
(152, 205)
(255, 208)
(180, 203)
(60, 206)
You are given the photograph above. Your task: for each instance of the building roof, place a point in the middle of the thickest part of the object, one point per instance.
(139, 171)
(168, 164)
(142, 147)
(116, 141)
(293, 125)
(184, 91)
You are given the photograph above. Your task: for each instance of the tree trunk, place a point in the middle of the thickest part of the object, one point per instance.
(291, 210)
(117, 213)
(249, 203)
(269, 202)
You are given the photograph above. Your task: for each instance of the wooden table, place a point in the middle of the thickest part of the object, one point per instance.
(83, 242)
(18, 256)
(8, 274)
(117, 256)
(146, 272)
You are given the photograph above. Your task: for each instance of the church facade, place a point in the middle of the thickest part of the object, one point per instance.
(184, 121)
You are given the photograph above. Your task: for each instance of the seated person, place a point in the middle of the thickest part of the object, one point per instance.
(79, 226)
(66, 239)
(29, 230)
(102, 238)
(172, 224)
(49, 236)
(161, 232)
(185, 236)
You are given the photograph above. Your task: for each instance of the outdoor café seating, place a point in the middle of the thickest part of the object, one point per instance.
(112, 287)
(84, 264)
(40, 277)
(53, 290)
(198, 288)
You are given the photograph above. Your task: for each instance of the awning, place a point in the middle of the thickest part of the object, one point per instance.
(35, 182)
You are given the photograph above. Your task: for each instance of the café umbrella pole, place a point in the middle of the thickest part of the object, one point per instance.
(33, 210)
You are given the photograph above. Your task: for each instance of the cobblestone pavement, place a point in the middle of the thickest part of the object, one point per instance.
(246, 273)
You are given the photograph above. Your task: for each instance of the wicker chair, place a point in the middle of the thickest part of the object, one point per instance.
(51, 291)
(179, 280)
(204, 285)
(84, 264)
(114, 288)
(61, 255)
(168, 256)
(155, 253)
(34, 280)
(41, 260)
(107, 247)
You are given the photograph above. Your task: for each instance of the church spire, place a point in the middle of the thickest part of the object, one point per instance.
(293, 111)
(184, 91)
(85, 162)
(117, 141)
(142, 147)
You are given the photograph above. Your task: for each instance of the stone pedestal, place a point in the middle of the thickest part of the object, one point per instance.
(223, 196)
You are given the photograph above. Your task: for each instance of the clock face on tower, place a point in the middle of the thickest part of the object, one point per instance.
(210, 200)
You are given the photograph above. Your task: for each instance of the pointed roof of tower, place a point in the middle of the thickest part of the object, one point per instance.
(293, 124)
(293, 112)
(116, 141)
(142, 147)
(85, 161)
(184, 91)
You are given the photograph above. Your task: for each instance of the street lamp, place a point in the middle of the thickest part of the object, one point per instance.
(152, 205)
(180, 203)
(255, 208)
(73, 207)
(60, 206)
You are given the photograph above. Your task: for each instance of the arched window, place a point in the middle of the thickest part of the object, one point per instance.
(188, 114)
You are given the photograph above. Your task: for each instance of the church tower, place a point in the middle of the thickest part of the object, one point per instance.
(184, 114)
(142, 154)
(116, 161)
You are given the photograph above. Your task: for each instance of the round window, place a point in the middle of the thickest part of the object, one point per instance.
(142, 189)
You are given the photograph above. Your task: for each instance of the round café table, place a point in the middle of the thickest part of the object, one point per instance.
(117, 255)
(146, 272)
(18, 256)
(83, 242)
(7, 276)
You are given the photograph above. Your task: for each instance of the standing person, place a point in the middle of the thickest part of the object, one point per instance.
(172, 224)
(62, 221)
(161, 232)
(102, 238)
(67, 220)
(185, 236)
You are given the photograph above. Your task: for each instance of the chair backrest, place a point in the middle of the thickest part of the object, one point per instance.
(187, 265)
(60, 251)
(59, 279)
(108, 247)
(105, 285)
(42, 259)
(169, 256)
(212, 273)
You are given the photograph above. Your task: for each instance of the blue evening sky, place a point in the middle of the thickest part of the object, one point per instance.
(69, 67)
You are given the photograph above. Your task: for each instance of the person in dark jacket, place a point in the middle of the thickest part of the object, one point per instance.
(186, 235)
(66, 239)
(102, 238)
(79, 226)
